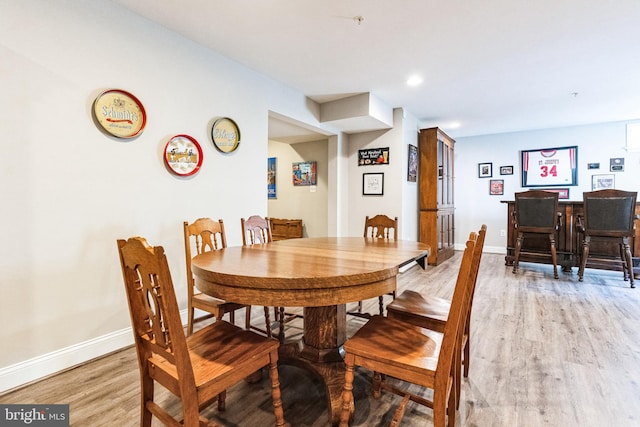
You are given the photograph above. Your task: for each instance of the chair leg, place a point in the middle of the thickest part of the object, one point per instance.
(516, 259)
(381, 305)
(190, 315)
(554, 260)
(585, 254)
(275, 390)
(627, 260)
(347, 392)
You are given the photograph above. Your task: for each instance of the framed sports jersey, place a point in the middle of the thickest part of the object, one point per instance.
(549, 167)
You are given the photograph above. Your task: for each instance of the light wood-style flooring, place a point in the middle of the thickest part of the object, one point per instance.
(544, 352)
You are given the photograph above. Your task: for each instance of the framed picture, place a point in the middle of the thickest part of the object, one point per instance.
(304, 173)
(412, 170)
(506, 170)
(485, 170)
(549, 167)
(602, 182)
(563, 193)
(271, 178)
(373, 156)
(373, 184)
(496, 187)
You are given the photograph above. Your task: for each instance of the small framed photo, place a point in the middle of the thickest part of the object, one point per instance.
(602, 182)
(373, 184)
(506, 170)
(412, 169)
(485, 170)
(563, 193)
(496, 187)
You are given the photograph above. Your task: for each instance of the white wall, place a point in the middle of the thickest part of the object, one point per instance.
(309, 203)
(596, 144)
(396, 190)
(69, 191)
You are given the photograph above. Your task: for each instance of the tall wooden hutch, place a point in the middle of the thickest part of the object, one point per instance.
(436, 194)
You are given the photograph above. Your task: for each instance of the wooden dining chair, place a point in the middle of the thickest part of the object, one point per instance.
(197, 368)
(608, 215)
(378, 227)
(536, 214)
(257, 230)
(432, 312)
(393, 348)
(203, 235)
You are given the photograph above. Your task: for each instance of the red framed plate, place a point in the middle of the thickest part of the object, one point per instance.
(183, 155)
(119, 113)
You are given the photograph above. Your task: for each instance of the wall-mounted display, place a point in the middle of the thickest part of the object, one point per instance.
(183, 155)
(225, 135)
(485, 170)
(616, 165)
(603, 182)
(563, 193)
(373, 184)
(496, 187)
(373, 156)
(412, 169)
(119, 113)
(506, 170)
(271, 178)
(550, 166)
(304, 173)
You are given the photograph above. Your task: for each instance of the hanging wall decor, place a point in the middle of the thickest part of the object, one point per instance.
(373, 156)
(549, 167)
(304, 173)
(183, 155)
(119, 113)
(225, 135)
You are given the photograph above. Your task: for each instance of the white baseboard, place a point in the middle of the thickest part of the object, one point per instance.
(40, 367)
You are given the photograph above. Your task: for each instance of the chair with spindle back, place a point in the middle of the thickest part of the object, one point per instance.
(393, 348)
(378, 227)
(197, 368)
(203, 235)
(257, 230)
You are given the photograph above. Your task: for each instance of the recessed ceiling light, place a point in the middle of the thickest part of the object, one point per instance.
(454, 125)
(414, 80)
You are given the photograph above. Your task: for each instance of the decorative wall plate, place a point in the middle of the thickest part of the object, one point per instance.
(225, 135)
(183, 155)
(119, 113)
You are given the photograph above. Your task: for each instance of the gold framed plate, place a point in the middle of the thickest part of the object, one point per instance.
(183, 155)
(119, 113)
(225, 135)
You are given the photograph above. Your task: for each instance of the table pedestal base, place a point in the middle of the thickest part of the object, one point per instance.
(320, 352)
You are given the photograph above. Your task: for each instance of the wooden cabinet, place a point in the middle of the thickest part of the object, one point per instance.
(568, 241)
(285, 228)
(436, 193)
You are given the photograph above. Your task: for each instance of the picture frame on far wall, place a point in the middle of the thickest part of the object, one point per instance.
(412, 169)
(603, 182)
(506, 170)
(496, 187)
(373, 184)
(485, 170)
(563, 193)
(550, 167)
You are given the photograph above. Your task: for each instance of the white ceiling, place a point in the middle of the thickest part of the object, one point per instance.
(492, 66)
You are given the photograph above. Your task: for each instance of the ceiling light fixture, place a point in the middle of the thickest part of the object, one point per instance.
(358, 19)
(414, 80)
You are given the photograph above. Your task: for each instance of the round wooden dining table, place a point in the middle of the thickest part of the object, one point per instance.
(320, 274)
